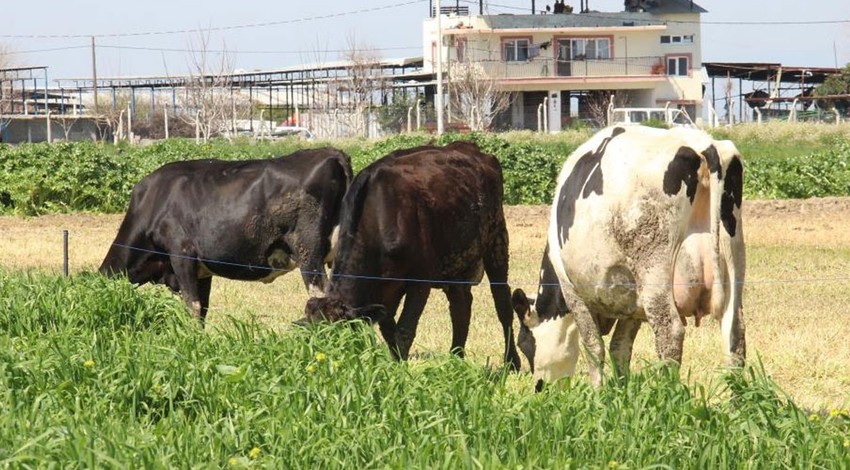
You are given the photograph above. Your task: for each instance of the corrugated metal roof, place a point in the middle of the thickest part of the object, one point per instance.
(764, 71)
(571, 20)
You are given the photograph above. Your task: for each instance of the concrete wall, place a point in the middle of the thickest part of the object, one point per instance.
(21, 129)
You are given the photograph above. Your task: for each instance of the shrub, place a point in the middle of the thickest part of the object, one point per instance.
(781, 161)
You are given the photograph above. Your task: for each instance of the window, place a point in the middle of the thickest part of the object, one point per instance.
(677, 65)
(515, 50)
(688, 39)
(460, 49)
(591, 48)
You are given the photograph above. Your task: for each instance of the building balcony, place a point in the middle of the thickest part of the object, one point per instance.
(557, 70)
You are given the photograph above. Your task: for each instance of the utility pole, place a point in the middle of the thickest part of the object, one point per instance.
(439, 97)
(94, 72)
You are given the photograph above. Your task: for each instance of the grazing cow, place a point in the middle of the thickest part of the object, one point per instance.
(250, 220)
(422, 218)
(645, 226)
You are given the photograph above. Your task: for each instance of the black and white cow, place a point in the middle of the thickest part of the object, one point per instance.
(417, 219)
(250, 220)
(645, 226)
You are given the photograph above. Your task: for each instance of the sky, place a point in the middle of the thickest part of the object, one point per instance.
(151, 37)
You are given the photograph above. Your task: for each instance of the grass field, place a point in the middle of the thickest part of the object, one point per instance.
(796, 303)
(97, 374)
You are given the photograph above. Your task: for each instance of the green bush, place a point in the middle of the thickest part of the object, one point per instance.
(820, 174)
(68, 177)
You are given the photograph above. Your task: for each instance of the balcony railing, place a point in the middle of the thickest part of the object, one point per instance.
(554, 68)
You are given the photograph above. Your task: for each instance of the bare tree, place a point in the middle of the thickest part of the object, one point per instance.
(6, 97)
(66, 123)
(356, 91)
(208, 101)
(596, 104)
(475, 97)
(113, 116)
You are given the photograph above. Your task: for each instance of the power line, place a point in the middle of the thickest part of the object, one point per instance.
(214, 28)
(601, 15)
(236, 51)
(51, 49)
(515, 282)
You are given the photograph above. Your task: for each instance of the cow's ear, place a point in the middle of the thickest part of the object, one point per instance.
(302, 322)
(522, 306)
(371, 313)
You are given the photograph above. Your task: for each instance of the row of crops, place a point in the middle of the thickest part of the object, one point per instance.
(69, 177)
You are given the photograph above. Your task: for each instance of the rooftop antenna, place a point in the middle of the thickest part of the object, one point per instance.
(834, 54)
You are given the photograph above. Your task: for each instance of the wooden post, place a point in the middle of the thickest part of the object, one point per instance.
(129, 125)
(94, 72)
(165, 115)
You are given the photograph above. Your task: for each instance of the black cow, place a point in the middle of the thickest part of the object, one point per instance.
(422, 218)
(250, 220)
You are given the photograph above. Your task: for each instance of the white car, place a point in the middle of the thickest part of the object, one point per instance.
(673, 117)
(286, 131)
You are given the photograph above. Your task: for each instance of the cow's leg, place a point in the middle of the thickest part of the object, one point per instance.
(588, 328)
(312, 265)
(204, 287)
(662, 315)
(496, 267)
(732, 322)
(621, 344)
(186, 272)
(460, 308)
(414, 302)
(732, 328)
(391, 299)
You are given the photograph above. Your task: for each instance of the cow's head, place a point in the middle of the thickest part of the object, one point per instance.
(549, 342)
(319, 309)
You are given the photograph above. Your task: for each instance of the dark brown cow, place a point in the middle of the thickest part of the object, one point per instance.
(418, 219)
(250, 220)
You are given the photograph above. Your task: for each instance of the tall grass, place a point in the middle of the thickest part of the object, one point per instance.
(777, 140)
(94, 373)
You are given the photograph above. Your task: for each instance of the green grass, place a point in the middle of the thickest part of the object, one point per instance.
(782, 140)
(94, 373)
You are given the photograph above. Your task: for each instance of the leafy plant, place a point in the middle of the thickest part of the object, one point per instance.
(781, 162)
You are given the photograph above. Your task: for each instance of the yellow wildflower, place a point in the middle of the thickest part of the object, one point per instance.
(254, 453)
(321, 357)
(311, 368)
(834, 413)
(613, 464)
(846, 442)
(814, 418)
(233, 461)
(89, 364)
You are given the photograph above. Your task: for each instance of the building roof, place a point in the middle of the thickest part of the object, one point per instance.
(571, 20)
(667, 7)
(767, 71)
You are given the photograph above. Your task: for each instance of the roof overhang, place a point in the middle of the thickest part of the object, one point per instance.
(565, 30)
(768, 71)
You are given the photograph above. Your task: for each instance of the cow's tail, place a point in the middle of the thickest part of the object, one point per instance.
(719, 289)
(728, 254)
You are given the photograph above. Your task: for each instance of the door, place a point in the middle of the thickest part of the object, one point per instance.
(564, 57)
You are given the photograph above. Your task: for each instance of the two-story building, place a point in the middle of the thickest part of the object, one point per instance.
(647, 55)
